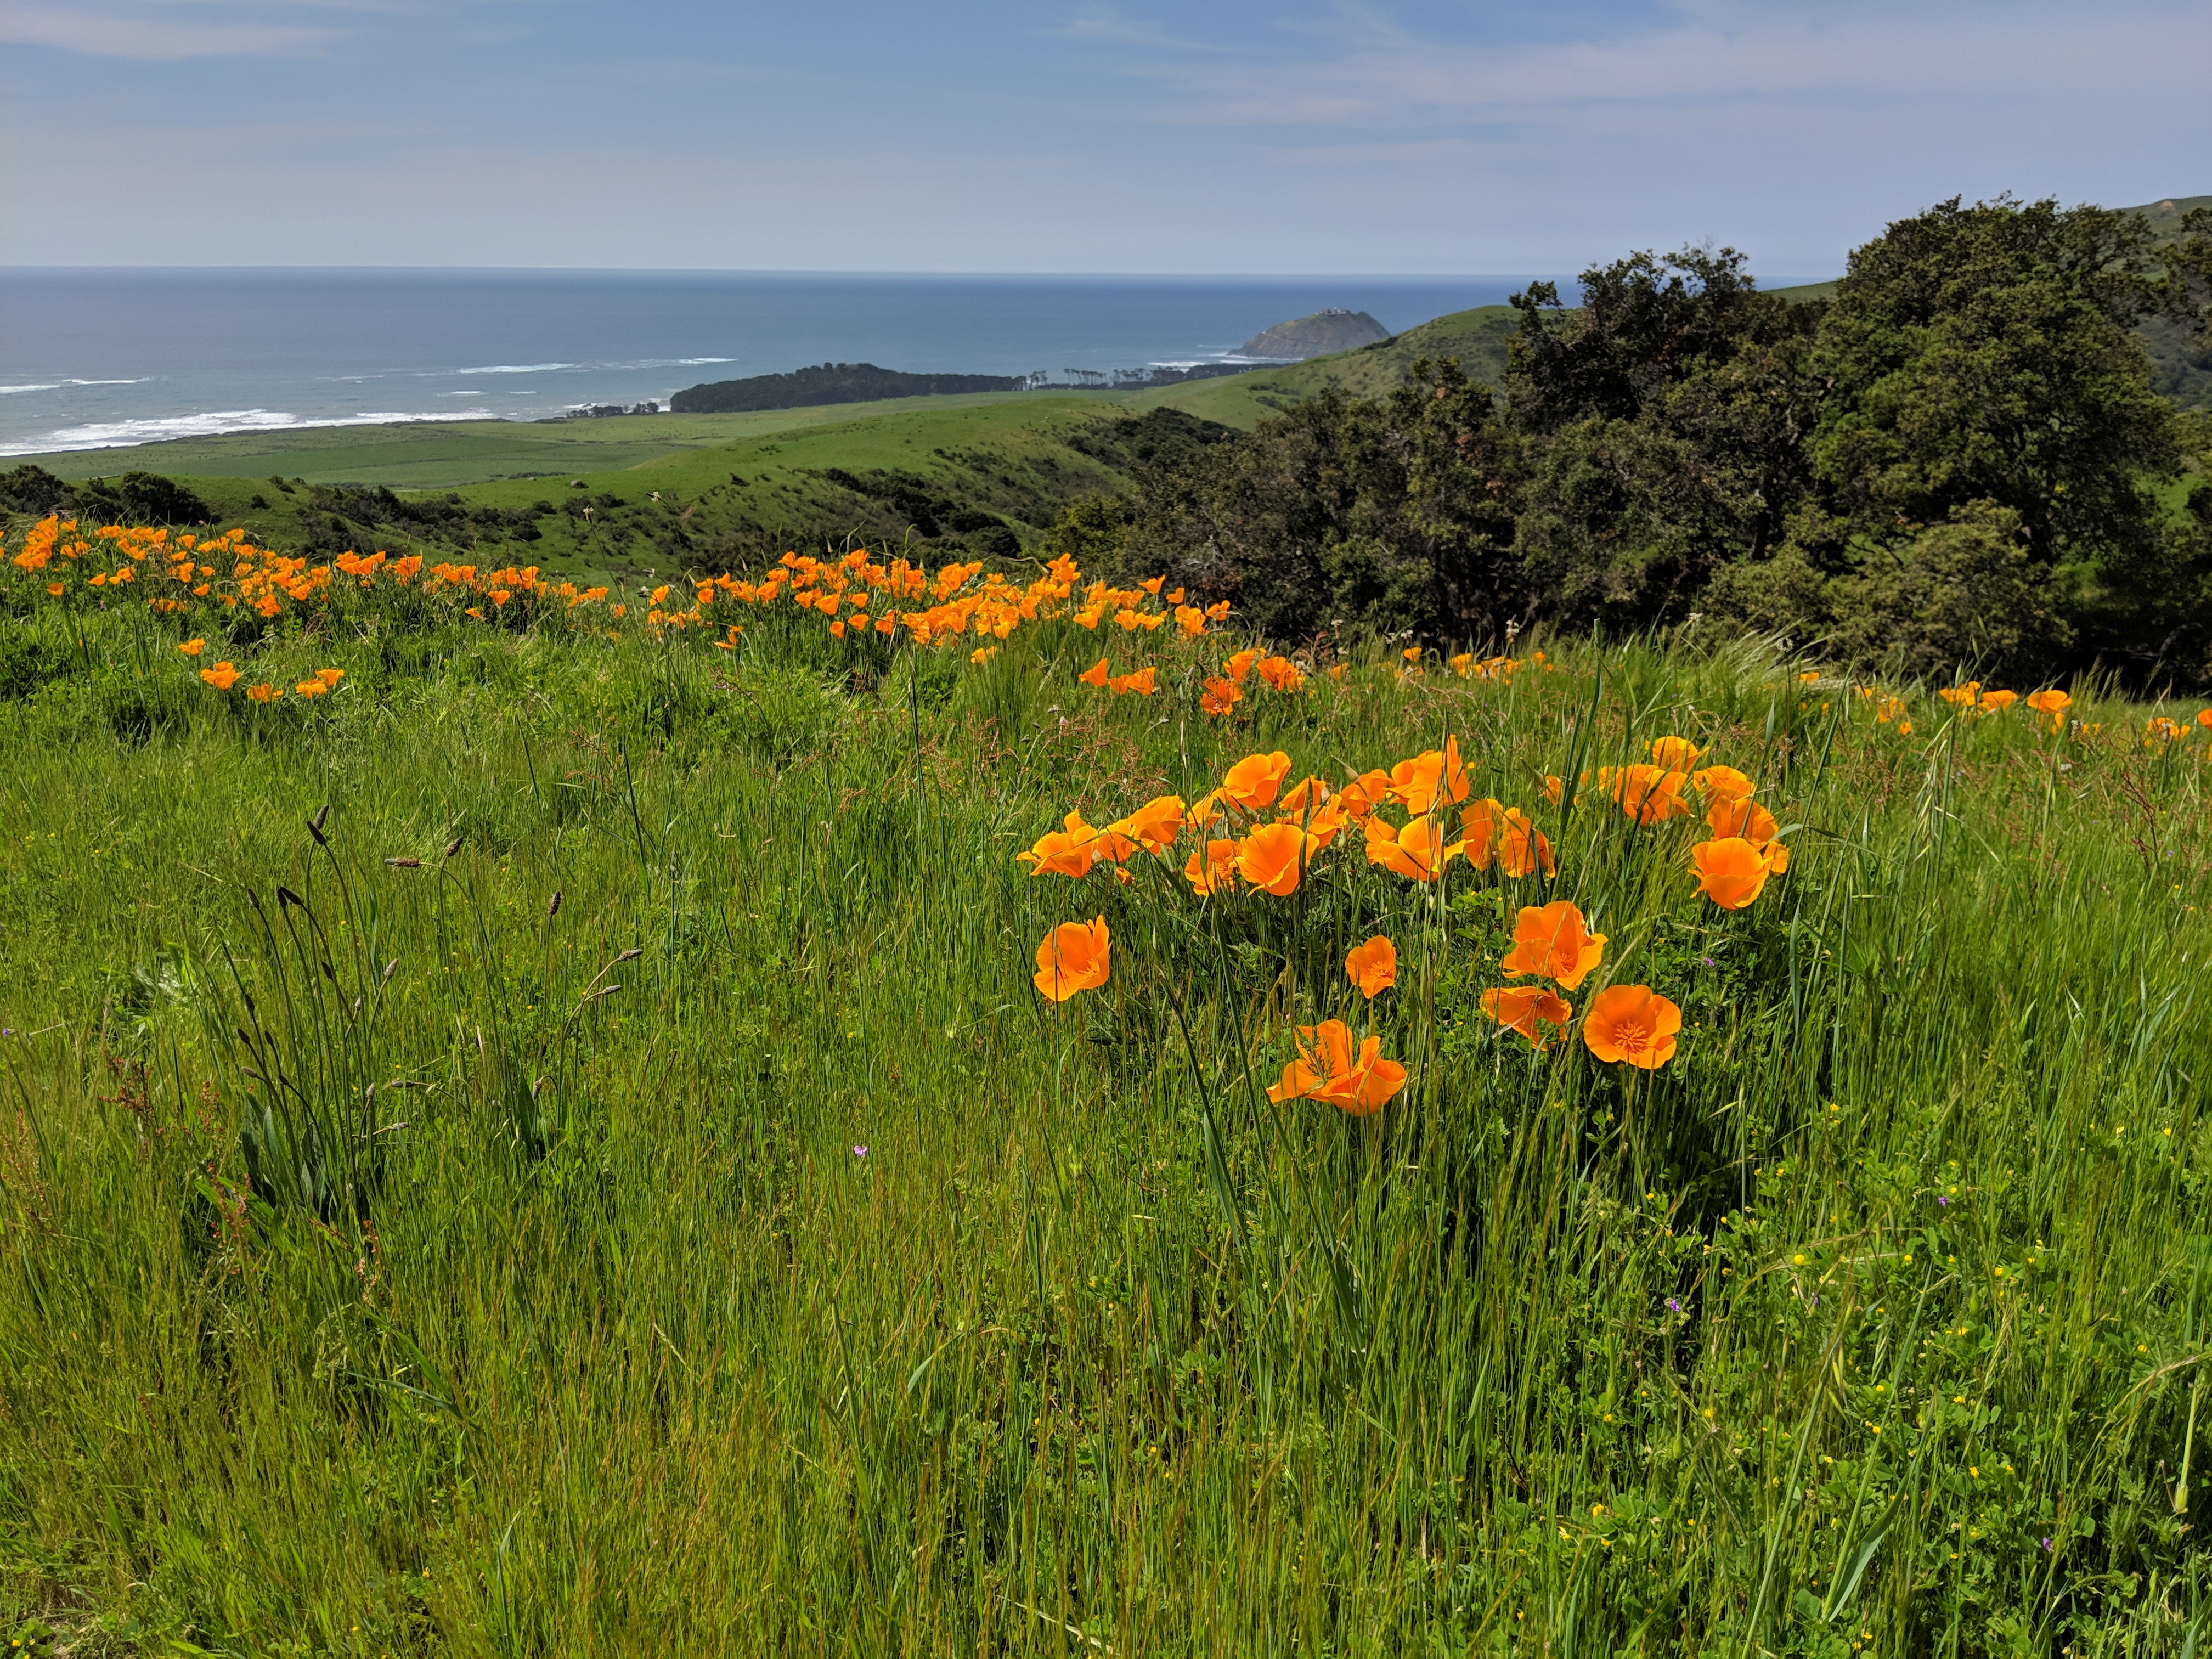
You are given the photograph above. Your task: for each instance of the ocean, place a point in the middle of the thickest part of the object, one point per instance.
(95, 358)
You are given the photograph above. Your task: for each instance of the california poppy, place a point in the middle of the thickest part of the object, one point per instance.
(1219, 695)
(1520, 1008)
(1731, 872)
(1072, 957)
(1995, 702)
(311, 688)
(1213, 868)
(1065, 851)
(1373, 966)
(192, 647)
(1632, 1023)
(1522, 847)
(1363, 794)
(331, 677)
(1308, 795)
(1254, 781)
(1553, 940)
(2053, 702)
(223, 675)
(1240, 664)
(1155, 825)
(1719, 783)
(1675, 754)
(1327, 1070)
(1094, 675)
(1650, 795)
(1747, 818)
(1281, 674)
(1420, 783)
(1270, 858)
(1417, 852)
(1481, 826)
(1144, 682)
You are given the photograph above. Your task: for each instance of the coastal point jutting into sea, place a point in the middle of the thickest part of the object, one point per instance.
(749, 906)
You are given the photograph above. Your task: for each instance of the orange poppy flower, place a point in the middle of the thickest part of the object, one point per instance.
(1632, 1023)
(1730, 871)
(1520, 1008)
(1074, 957)
(1271, 857)
(1220, 696)
(1306, 796)
(1240, 664)
(1321, 826)
(1144, 683)
(1524, 847)
(223, 675)
(2053, 702)
(1718, 783)
(1155, 825)
(1327, 1070)
(1995, 702)
(311, 688)
(265, 692)
(1555, 787)
(1553, 940)
(1190, 620)
(836, 630)
(55, 588)
(1363, 794)
(1213, 868)
(1417, 852)
(1650, 795)
(192, 647)
(1065, 851)
(1254, 781)
(1373, 967)
(1675, 754)
(1362, 1088)
(1747, 818)
(1094, 675)
(1281, 674)
(330, 676)
(1417, 784)
(1962, 697)
(1481, 826)
(1411, 654)
(1152, 585)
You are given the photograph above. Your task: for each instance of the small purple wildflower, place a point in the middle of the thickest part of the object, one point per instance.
(859, 1151)
(2047, 1543)
(1708, 961)
(1944, 1201)
(1673, 1306)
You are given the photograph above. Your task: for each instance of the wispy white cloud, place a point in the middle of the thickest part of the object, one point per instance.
(145, 35)
(1355, 66)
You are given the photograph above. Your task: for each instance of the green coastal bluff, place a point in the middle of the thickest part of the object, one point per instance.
(1325, 332)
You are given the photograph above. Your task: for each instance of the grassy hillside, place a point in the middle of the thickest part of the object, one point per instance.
(556, 1147)
(440, 455)
(969, 475)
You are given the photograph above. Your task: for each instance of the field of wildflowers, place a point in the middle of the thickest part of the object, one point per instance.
(861, 1109)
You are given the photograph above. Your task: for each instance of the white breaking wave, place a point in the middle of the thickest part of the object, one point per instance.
(515, 369)
(214, 423)
(55, 385)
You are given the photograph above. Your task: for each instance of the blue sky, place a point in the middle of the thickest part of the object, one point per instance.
(1302, 136)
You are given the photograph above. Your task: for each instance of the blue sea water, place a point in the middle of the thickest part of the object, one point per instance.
(94, 358)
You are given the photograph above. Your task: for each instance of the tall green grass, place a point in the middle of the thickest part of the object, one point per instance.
(567, 1313)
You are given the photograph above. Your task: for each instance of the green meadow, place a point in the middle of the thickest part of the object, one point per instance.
(554, 1147)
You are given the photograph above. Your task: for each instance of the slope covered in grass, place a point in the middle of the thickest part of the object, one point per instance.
(555, 1145)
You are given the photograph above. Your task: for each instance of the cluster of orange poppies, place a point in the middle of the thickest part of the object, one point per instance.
(1259, 831)
(227, 674)
(858, 594)
(1630, 1025)
(228, 573)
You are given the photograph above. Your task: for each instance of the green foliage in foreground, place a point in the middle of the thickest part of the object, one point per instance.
(1873, 1324)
